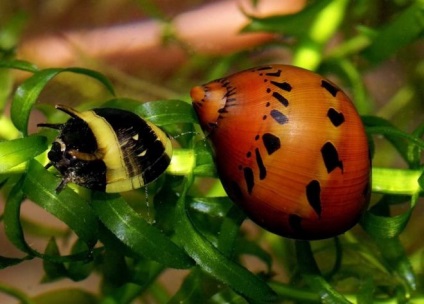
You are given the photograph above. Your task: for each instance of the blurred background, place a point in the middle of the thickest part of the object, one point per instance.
(159, 49)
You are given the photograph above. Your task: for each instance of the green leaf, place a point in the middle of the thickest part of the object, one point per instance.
(142, 238)
(46, 198)
(19, 65)
(53, 271)
(7, 262)
(40, 186)
(167, 112)
(66, 296)
(211, 206)
(152, 9)
(17, 151)
(311, 274)
(298, 295)
(122, 103)
(385, 226)
(399, 139)
(244, 246)
(213, 262)
(397, 260)
(182, 162)
(15, 293)
(396, 181)
(421, 180)
(6, 87)
(158, 112)
(313, 27)
(114, 267)
(11, 29)
(230, 231)
(296, 24)
(406, 28)
(378, 222)
(205, 165)
(76, 270)
(7, 129)
(203, 153)
(44, 230)
(15, 234)
(366, 290)
(79, 270)
(27, 93)
(11, 217)
(197, 287)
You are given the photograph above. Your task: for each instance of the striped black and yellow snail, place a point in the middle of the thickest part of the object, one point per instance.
(107, 149)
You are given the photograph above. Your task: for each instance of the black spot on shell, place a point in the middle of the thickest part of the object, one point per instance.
(249, 178)
(263, 68)
(274, 74)
(261, 166)
(236, 191)
(331, 157)
(367, 190)
(336, 118)
(230, 90)
(280, 99)
(313, 194)
(271, 142)
(213, 125)
(329, 87)
(198, 105)
(285, 86)
(295, 222)
(279, 117)
(231, 101)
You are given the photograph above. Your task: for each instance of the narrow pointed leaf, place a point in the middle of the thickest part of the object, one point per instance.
(213, 262)
(17, 151)
(40, 186)
(167, 112)
(27, 93)
(311, 274)
(19, 65)
(142, 238)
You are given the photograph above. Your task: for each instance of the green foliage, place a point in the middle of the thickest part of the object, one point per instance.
(129, 242)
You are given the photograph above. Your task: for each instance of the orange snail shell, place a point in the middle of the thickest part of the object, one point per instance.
(290, 148)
